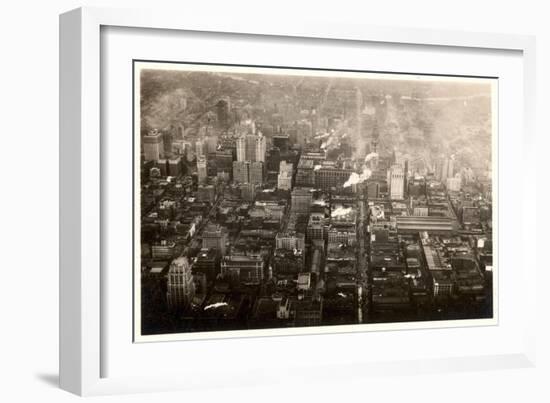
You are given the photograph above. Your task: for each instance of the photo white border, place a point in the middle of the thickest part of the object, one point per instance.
(80, 302)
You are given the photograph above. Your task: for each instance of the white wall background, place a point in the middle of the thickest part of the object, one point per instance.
(29, 196)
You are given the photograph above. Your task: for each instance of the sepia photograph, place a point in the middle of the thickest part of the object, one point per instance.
(274, 200)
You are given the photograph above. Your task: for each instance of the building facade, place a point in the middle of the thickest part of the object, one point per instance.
(240, 171)
(316, 226)
(153, 146)
(202, 172)
(396, 182)
(256, 172)
(327, 178)
(284, 179)
(214, 236)
(174, 166)
(301, 201)
(290, 241)
(251, 147)
(454, 184)
(243, 269)
(181, 289)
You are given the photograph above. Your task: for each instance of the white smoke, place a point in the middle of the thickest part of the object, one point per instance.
(377, 212)
(322, 136)
(326, 144)
(341, 211)
(356, 178)
(215, 305)
(370, 157)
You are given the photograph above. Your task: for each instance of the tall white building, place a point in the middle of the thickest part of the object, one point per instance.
(251, 147)
(397, 182)
(260, 143)
(181, 288)
(199, 148)
(444, 169)
(454, 184)
(286, 167)
(153, 146)
(284, 179)
(450, 168)
(202, 172)
(241, 148)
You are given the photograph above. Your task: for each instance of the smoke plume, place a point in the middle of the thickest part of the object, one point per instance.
(341, 211)
(356, 178)
(370, 157)
(215, 305)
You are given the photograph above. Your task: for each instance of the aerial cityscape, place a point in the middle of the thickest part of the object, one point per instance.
(285, 198)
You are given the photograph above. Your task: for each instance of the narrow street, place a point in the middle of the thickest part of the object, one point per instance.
(363, 288)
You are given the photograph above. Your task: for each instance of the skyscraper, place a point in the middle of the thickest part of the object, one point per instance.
(153, 146)
(397, 182)
(240, 171)
(174, 166)
(251, 147)
(199, 148)
(454, 183)
(210, 143)
(285, 167)
(181, 288)
(303, 132)
(241, 148)
(202, 172)
(260, 148)
(224, 161)
(373, 190)
(256, 172)
(444, 168)
(450, 168)
(284, 179)
(222, 112)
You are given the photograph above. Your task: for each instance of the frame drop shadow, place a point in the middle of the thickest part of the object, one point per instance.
(49, 379)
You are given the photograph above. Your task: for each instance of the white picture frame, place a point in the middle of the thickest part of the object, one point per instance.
(82, 343)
